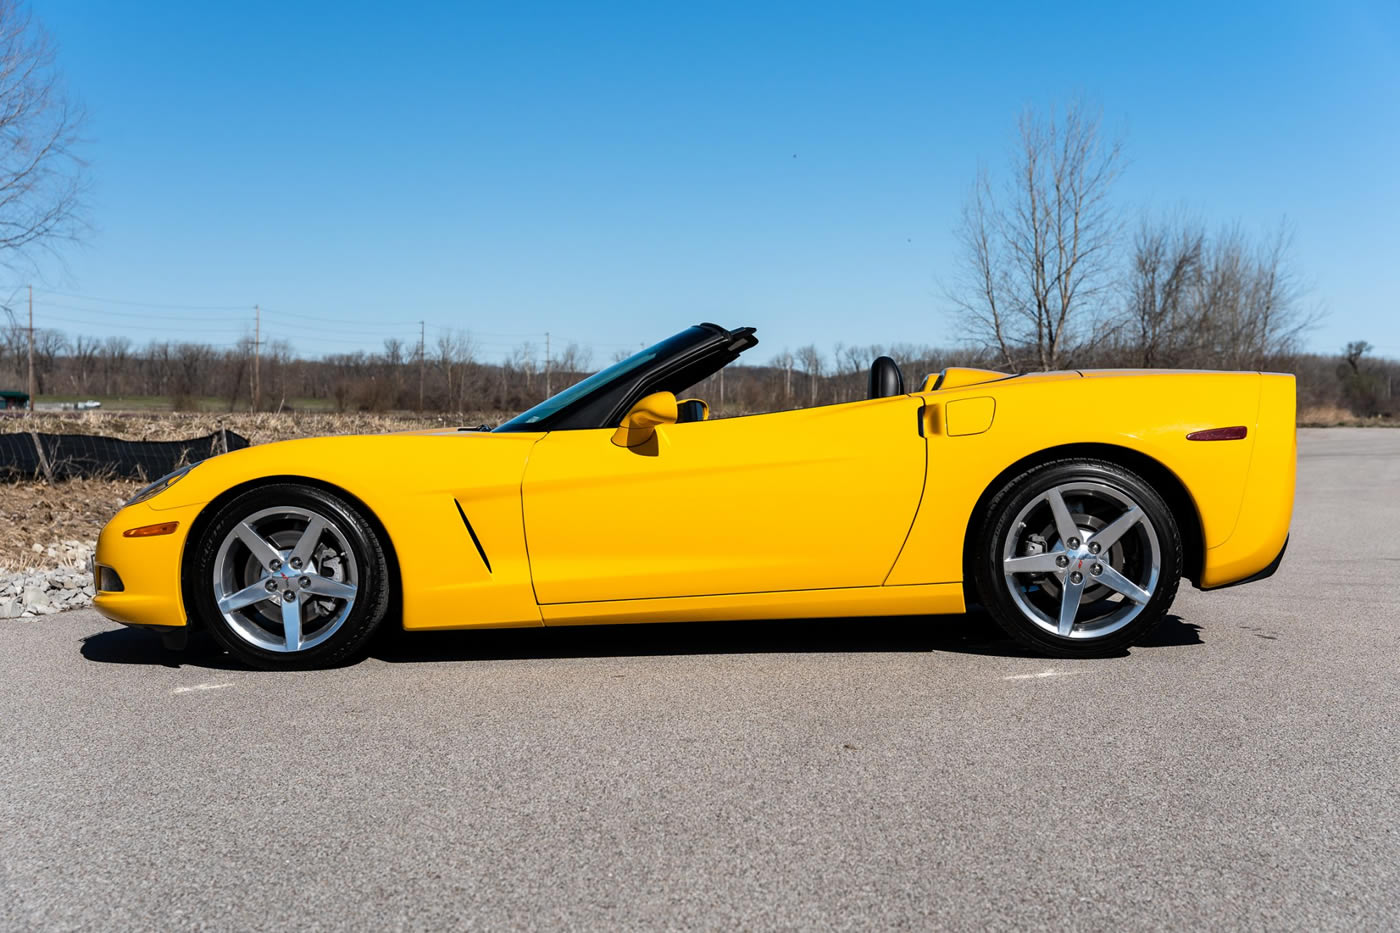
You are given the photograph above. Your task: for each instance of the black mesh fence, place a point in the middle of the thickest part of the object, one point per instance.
(63, 456)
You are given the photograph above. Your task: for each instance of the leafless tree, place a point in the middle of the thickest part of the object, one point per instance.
(49, 345)
(784, 361)
(82, 353)
(1037, 256)
(1353, 352)
(114, 353)
(812, 364)
(1248, 306)
(454, 352)
(41, 175)
(1164, 275)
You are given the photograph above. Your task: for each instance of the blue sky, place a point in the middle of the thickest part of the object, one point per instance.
(612, 172)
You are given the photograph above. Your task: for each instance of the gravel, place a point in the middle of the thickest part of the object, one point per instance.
(45, 591)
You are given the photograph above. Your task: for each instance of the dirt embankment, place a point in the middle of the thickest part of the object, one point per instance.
(40, 522)
(259, 428)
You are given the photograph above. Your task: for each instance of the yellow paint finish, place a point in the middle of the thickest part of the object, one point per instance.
(408, 481)
(149, 567)
(802, 604)
(1149, 412)
(1267, 510)
(640, 424)
(956, 377)
(809, 499)
(970, 415)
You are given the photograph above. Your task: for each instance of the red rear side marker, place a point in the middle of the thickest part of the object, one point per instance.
(1237, 433)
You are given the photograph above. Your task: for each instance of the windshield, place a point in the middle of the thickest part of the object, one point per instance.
(579, 390)
(676, 363)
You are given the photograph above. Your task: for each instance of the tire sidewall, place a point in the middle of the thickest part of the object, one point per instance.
(371, 599)
(1022, 490)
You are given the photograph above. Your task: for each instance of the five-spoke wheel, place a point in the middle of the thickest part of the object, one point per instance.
(289, 575)
(1078, 557)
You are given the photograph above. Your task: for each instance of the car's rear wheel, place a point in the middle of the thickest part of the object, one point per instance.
(1078, 558)
(288, 576)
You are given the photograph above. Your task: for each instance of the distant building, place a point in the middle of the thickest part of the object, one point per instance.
(13, 399)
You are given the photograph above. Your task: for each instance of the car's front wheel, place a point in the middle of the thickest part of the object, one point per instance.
(288, 576)
(1078, 558)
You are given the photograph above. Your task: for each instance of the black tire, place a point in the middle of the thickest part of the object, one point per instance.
(344, 634)
(1022, 507)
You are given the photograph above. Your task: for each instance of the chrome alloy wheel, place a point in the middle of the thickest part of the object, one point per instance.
(1082, 560)
(285, 579)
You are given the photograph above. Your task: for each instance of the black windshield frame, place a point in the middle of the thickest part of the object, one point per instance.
(673, 365)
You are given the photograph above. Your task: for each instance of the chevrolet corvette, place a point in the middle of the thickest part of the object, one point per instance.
(1068, 504)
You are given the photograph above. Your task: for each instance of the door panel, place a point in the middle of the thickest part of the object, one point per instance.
(806, 499)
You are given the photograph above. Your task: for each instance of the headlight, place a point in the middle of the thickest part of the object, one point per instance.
(160, 485)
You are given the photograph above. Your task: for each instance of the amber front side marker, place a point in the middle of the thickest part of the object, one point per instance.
(150, 531)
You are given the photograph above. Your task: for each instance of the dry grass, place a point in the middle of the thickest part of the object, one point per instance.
(1333, 416)
(259, 428)
(36, 513)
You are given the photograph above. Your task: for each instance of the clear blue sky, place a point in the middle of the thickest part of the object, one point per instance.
(612, 172)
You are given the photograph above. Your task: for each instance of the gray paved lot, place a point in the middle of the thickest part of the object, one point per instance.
(1239, 772)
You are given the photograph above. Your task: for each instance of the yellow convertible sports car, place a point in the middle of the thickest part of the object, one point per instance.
(1069, 504)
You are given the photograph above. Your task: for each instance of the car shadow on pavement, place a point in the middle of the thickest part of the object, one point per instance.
(974, 633)
(134, 646)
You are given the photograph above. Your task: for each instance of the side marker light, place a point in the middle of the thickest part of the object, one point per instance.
(150, 531)
(1237, 433)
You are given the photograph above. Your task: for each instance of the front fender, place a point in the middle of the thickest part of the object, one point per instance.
(413, 484)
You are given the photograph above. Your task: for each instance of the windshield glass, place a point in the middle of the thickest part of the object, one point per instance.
(593, 383)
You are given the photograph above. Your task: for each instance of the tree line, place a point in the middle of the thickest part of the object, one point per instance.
(450, 377)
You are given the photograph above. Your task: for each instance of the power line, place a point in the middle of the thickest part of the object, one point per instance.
(141, 315)
(64, 319)
(145, 304)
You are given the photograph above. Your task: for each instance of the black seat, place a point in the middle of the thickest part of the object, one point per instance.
(885, 378)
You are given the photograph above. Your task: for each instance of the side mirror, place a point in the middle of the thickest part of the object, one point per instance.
(691, 409)
(645, 417)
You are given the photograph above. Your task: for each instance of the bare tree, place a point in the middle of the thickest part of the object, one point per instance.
(41, 176)
(49, 345)
(1164, 274)
(1353, 352)
(1248, 306)
(454, 352)
(82, 353)
(812, 365)
(1038, 257)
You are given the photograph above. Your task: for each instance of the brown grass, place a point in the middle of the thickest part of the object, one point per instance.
(259, 428)
(1333, 416)
(36, 513)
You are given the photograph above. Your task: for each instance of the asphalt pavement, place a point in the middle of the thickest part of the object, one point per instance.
(1239, 771)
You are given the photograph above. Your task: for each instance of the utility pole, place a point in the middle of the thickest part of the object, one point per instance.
(33, 386)
(422, 362)
(547, 392)
(257, 357)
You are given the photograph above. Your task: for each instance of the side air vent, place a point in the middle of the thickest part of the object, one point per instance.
(475, 540)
